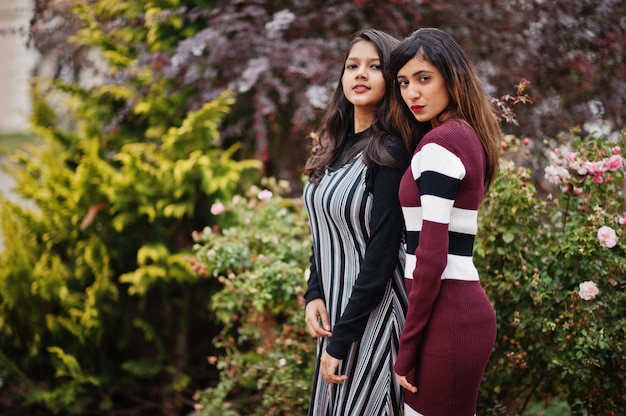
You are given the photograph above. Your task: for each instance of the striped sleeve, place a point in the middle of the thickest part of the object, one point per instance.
(437, 172)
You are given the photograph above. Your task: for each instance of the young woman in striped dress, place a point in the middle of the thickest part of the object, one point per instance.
(450, 325)
(356, 301)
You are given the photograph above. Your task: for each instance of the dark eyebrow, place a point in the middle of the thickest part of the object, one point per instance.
(350, 58)
(416, 73)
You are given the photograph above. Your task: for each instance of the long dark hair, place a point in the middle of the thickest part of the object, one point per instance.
(338, 120)
(468, 99)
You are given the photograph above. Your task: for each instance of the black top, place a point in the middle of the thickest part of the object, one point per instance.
(381, 255)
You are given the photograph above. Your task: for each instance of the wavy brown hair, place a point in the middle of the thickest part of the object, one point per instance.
(338, 120)
(468, 99)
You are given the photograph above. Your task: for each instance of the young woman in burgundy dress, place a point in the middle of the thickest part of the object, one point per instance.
(450, 327)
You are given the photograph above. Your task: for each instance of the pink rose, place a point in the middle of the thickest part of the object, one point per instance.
(578, 166)
(595, 168)
(556, 175)
(617, 150)
(217, 208)
(588, 290)
(607, 237)
(622, 220)
(264, 195)
(613, 163)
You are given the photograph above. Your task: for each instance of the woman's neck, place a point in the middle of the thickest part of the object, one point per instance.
(362, 120)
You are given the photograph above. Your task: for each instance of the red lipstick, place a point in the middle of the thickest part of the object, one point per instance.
(417, 108)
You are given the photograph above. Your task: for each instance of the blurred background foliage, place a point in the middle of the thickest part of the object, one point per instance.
(281, 59)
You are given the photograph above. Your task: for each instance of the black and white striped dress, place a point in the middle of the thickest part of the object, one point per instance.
(357, 267)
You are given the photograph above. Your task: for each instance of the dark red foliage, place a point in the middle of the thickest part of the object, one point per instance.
(283, 57)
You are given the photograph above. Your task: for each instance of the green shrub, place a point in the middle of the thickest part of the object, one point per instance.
(97, 300)
(259, 254)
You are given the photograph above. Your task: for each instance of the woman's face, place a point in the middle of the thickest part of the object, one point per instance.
(423, 90)
(362, 80)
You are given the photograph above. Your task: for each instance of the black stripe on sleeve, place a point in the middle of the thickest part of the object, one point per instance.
(461, 244)
(412, 240)
(437, 184)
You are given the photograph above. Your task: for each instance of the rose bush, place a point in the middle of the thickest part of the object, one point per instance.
(553, 260)
(259, 254)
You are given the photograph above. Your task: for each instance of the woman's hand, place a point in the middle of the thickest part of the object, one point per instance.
(329, 365)
(405, 383)
(319, 326)
(314, 313)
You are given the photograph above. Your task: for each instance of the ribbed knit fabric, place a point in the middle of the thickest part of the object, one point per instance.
(450, 326)
(357, 268)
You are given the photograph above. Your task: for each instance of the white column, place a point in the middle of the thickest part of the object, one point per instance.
(16, 64)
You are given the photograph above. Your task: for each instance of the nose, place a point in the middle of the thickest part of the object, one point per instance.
(414, 91)
(361, 72)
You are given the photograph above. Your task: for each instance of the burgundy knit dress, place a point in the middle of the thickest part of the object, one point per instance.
(450, 326)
